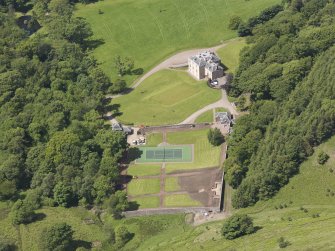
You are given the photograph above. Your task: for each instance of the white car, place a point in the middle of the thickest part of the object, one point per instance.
(215, 82)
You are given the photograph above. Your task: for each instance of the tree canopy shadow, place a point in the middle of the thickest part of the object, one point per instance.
(80, 244)
(133, 205)
(138, 71)
(39, 217)
(93, 43)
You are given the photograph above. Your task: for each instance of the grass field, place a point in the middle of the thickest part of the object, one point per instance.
(171, 184)
(145, 186)
(150, 30)
(230, 54)
(205, 155)
(166, 97)
(143, 170)
(153, 139)
(147, 202)
(205, 117)
(180, 200)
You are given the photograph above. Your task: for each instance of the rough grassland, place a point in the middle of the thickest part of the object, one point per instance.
(171, 184)
(230, 54)
(166, 97)
(205, 155)
(27, 236)
(145, 186)
(150, 30)
(180, 200)
(205, 117)
(144, 170)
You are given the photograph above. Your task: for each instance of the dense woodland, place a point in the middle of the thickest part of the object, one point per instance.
(288, 71)
(54, 145)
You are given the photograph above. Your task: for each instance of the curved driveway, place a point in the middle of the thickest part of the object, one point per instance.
(223, 102)
(171, 62)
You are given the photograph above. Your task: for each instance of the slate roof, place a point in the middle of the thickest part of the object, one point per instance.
(207, 59)
(223, 117)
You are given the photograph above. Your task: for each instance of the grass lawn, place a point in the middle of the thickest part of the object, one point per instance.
(220, 109)
(150, 30)
(166, 97)
(154, 139)
(230, 54)
(147, 202)
(143, 186)
(205, 155)
(205, 117)
(144, 170)
(180, 200)
(171, 184)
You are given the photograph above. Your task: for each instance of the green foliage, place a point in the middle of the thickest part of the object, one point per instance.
(287, 74)
(22, 213)
(57, 237)
(234, 22)
(63, 195)
(282, 243)
(118, 86)
(237, 226)
(52, 96)
(118, 203)
(7, 189)
(215, 137)
(123, 65)
(122, 236)
(6, 245)
(322, 158)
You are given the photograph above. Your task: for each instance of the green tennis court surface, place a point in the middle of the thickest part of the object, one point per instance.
(166, 154)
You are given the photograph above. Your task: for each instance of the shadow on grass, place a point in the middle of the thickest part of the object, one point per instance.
(39, 217)
(133, 206)
(76, 244)
(138, 71)
(93, 44)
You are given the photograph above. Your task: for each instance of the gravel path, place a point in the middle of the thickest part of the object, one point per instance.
(176, 60)
(223, 102)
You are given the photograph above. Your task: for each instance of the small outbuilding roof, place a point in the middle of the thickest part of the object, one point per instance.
(223, 117)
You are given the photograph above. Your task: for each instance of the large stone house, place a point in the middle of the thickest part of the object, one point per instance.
(205, 65)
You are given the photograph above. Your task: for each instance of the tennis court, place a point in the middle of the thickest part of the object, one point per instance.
(180, 153)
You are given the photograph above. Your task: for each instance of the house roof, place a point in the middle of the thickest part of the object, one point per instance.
(223, 117)
(207, 59)
(116, 127)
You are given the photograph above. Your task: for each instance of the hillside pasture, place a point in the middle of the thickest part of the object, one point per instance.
(150, 30)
